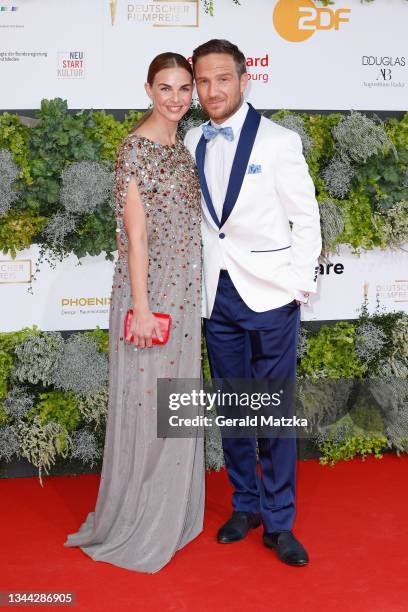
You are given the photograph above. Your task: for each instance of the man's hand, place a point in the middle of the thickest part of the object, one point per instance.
(301, 297)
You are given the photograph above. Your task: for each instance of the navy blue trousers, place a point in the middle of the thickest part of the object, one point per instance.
(271, 338)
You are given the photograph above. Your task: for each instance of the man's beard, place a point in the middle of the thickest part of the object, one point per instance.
(227, 112)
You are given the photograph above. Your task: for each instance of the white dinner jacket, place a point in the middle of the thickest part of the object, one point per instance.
(269, 262)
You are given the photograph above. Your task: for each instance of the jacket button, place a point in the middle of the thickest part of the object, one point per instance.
(222, 235)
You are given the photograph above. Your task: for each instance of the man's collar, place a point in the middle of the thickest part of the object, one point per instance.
(236, 120)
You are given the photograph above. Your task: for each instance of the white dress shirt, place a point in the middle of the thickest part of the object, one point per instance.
(219, 157)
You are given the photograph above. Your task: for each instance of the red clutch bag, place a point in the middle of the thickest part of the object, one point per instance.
(164, 322)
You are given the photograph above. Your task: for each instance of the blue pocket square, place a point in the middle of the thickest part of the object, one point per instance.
(254, 169)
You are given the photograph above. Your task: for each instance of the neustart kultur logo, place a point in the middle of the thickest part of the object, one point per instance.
(71, 65)
(298, 20)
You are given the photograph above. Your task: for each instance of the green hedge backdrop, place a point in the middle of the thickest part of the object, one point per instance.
(56, 177)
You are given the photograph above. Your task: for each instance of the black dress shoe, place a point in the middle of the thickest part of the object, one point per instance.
(238, 526)
(288, 548)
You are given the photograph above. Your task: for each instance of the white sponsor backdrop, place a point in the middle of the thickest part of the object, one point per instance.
(77, 297)
(71, 296)
(95, 53)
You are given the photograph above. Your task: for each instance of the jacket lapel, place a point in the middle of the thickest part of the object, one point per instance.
(239, 166)
(241, 159)
(200, 157)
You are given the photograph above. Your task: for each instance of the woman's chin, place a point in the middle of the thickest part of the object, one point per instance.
(176, 116)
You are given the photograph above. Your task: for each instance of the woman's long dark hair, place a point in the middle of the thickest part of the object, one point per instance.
(161, 62)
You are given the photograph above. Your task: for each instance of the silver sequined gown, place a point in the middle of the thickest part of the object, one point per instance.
(151, 494)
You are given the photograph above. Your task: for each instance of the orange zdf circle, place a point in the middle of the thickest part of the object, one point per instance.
(287, 17)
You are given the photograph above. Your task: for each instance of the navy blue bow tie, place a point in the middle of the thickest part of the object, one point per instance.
(211, 132)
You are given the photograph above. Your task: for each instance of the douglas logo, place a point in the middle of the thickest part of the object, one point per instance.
(386, 60)
(387, 66)
(297, 20)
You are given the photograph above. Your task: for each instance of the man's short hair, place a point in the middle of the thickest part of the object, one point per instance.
(217, 45)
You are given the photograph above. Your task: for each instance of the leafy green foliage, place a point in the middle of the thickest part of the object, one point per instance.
(41, 444)
(319, 129)
(360, 228)
(59, 137)
(205, 366)
(351, 447)
(4, 417)
(58, 407)
(377, 185)
(397, 132)
(62, 137)
(6, 365)
(14, 136)
(331, 353)
(101, 338)
(109, 132)
(389, 323)
(18, 229)
(359, 433)
(8, 341)
(95, 234)
(381, 179)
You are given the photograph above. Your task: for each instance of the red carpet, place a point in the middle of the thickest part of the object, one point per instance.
(353, 518)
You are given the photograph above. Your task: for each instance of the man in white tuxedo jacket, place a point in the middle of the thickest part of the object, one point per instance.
(261, 242)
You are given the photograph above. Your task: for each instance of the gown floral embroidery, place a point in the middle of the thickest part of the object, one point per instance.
(151, 495)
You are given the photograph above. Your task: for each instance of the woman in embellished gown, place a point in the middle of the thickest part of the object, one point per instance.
(151, 495)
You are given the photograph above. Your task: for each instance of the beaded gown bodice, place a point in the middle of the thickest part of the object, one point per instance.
(169, 188)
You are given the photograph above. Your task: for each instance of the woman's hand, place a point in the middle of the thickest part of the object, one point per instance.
(143, 327)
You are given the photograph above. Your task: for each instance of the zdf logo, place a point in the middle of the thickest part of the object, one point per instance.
(297, 20)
